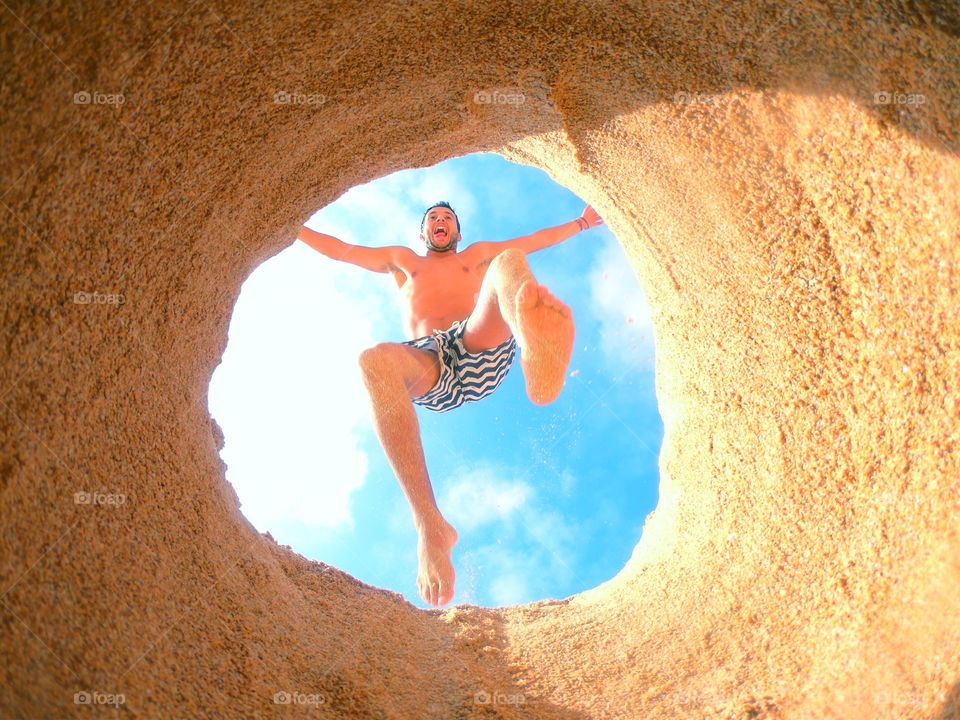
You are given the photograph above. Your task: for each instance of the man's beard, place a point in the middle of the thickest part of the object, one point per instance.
(450, 246)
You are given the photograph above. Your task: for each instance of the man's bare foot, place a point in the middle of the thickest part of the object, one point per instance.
(545, 333)
(436, 575)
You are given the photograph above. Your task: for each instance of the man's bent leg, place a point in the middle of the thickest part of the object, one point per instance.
(511, 301)
(394, 374)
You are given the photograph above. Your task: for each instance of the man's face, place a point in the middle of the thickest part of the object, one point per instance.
(441, 228)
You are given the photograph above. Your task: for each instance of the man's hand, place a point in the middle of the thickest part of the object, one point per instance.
(591, 217)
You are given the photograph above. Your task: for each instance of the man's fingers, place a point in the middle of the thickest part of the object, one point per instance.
(591, 216)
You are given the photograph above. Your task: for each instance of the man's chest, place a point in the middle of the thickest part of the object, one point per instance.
(456, 275)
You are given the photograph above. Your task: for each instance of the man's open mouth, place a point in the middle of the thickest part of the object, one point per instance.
(439, 231)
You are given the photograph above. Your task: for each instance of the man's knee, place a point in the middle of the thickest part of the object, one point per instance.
(506, 264)
(510, 257)
(375, 359)
(419, 370)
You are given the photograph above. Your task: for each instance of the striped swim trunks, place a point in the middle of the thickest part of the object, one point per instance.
(464, 376)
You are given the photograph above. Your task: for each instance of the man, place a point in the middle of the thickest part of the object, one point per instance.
(465, 314)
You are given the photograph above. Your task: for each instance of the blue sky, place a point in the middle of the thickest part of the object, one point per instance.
(548, 501)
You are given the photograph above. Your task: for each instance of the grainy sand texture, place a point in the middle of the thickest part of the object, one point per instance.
(784, 179)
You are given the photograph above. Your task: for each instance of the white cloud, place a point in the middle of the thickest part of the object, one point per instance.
(551, 532)
(523, 546)
(497, 574)
(288, 393)
(379, 215)
(622, 311)
(510, 588)
(537, 551)
(479, 497)
(445, 185)
(568, 482)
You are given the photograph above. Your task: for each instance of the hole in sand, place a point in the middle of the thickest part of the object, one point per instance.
(548, 501)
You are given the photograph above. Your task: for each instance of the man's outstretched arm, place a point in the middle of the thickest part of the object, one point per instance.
(383, 259)
(546, 237)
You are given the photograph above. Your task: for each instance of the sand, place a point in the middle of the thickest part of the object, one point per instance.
(797, 235)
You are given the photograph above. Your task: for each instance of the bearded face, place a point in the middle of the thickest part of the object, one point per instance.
(440, 231)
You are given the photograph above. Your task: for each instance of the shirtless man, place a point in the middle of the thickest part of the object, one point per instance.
(466, 313)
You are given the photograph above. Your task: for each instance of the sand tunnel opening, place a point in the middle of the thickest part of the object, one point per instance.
(522, 485)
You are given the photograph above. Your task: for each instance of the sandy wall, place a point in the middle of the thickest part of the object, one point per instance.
(798, 240)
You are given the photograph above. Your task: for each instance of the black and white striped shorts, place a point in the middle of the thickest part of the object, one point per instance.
(464, 376)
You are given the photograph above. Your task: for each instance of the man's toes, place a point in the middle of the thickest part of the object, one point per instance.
(551, 300)
(445, 594)
(555, 303)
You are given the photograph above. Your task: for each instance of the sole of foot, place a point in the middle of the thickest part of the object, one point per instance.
(545, 333)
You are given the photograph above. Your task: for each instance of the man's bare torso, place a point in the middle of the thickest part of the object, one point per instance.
(439, 288)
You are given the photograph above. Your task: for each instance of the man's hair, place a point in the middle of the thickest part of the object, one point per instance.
(443, 204)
